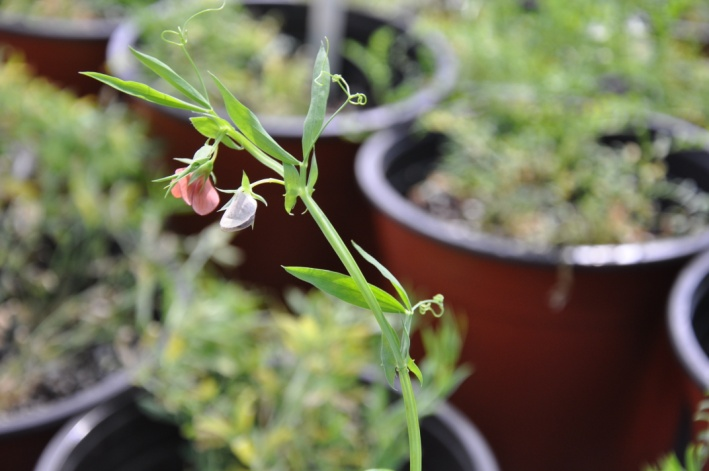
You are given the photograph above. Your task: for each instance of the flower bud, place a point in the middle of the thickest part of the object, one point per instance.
(240, 213)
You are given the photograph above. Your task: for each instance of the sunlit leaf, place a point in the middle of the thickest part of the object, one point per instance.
(386, 274)
(171, 77)
(143, 91)
(313, 175)
(291, 179)
(344, 287)
(251, 127)
(413, 367)
(319, 93)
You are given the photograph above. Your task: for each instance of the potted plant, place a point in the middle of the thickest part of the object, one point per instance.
(73, 214)
(60, 38)
(298, 178)
(685, 318)
(566, 321)
(253, 386)
(426, 70)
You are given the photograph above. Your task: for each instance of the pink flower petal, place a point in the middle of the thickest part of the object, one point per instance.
(206, 198)
(179, 188)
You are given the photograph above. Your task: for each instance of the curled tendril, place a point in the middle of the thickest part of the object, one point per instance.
(359, 99)
(169, 33)
(434, 306)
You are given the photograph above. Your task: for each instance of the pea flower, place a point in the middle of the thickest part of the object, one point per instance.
(240, 213)
(197, 191)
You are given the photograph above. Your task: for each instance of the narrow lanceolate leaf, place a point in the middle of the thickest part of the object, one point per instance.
(413, 367)
(386, 274)
(313, 175)
(388, 362)
(319, 93)
(291, 178)
(251, 127)
(145, 92)
(344, 287)
(170, 76)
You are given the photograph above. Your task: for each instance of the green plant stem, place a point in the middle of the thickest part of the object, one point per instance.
(388, 332)
(251, 148)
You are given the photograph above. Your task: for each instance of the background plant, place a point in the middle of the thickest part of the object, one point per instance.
(72, 9)
(75, 214)
(261, 387)
(269, 70)
(542, 83)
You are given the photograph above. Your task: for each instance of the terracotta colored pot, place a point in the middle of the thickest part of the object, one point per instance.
(589, 385)
(279, 239)
(23, 436)
(59, 49)
(120, 436)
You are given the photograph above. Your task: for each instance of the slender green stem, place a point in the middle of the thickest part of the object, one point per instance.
(258, 154)
(412, 420)
(389, 334)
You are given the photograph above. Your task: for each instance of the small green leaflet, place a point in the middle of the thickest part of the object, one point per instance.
(170, 76)
(413, 367)
(145, 92)
(386, 274)
(313, 175)
(251, 127)
(344, 287)
(214, 128)
(319, 93)
(291, 178)
(388, 362)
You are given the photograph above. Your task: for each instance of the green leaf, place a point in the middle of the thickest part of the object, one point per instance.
(251, 127)
(413, 367)
(319, 92)
(291, 178)
(209, 126)
(171, 77)
(313, 175)
(145, 92)
(344, 287)
(214, 128)
(386, 274)
(388, 362)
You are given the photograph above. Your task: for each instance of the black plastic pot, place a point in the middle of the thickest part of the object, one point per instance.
(688, 319)
(589, 384)
(24, 435)
(337, 193)
(119, 437)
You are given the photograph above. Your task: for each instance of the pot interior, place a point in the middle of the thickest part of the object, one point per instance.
(122, 437)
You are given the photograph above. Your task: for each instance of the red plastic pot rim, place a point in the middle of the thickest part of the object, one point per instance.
(380, 150)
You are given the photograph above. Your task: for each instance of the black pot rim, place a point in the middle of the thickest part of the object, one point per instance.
(59, 411)
(97, 29)
(472, 441)
(446, 418)
(688, 288)
(377, 152)
(354, 123)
